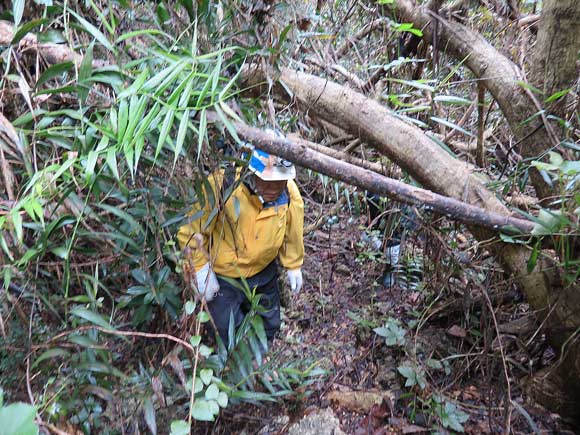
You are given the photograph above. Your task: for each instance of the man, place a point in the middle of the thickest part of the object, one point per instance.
(261, 221)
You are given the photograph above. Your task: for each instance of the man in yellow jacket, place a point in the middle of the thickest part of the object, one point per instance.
(261, 222)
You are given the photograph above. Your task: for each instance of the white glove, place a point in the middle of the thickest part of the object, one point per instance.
(295, 279)
(207, 283)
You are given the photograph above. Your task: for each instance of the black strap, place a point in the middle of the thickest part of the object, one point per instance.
(228, 181)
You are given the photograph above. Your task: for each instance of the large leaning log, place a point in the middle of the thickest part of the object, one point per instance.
(438, 171)
(497, 73)
(302, 153)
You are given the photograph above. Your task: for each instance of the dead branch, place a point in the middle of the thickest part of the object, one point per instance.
(379, 23)
(371, 166)
(52, 53)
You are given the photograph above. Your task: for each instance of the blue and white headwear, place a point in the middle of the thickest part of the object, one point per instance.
(271, 168)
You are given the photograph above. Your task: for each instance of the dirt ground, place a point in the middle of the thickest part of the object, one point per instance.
(330, 322)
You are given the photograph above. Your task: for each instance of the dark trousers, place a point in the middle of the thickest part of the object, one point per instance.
(231, 299)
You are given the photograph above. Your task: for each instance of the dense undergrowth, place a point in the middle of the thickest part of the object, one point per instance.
(102, 158)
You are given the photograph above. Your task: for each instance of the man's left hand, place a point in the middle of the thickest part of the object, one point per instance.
(295, 279)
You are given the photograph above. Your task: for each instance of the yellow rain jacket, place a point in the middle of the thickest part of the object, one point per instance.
(245, 237)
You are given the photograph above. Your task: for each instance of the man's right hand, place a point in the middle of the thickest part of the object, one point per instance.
(207, 283)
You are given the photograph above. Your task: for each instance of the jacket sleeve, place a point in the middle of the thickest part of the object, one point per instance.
(198, 217)
(291, 253)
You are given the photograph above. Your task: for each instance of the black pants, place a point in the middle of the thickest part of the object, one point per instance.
(231, 299)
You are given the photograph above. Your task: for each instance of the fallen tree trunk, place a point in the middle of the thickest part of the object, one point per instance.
(438, 171)
(302, 153)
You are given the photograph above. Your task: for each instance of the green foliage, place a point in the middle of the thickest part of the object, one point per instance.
(17, 418)
(393, 332)
(450, 416)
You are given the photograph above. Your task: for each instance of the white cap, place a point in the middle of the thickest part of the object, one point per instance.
(271, 168)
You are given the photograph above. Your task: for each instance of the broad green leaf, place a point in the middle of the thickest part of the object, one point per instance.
(206, 375)
(179, 427)
(18, 419)
(92, 317)
(212, 392)
(202, 410)
(17, 222)
(190, 308)
(112, 162)
(547, 222)
(91, 162)
(203, 317)
(195, 340)
(222, 399)
(51, 353)
(85, 72)
(122, 118)
(205, 351)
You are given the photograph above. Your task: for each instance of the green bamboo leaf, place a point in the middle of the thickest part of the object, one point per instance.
(122, 215)
(166, 126)
(452, 99)
(201, 133)
(154, 81)
(139, 145)
(101, 368)
(91, 162)
(451, 125)
(96, 33)
(148, 120)
(216, 77)
(136, 85)
(179, 67)
(227, 123)
(181, 135)
(52, 72)
(17, 223)
(419, 84)
(17, 11)
(112, 162)
(136, 110)
(122, 118)
(22, 31)
(147, 32)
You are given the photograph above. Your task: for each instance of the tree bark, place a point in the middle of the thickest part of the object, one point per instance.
(553, 66)
(438, 171)
(498, 74)
(302, 153)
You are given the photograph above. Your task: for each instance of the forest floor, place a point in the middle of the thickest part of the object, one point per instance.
(331, 322)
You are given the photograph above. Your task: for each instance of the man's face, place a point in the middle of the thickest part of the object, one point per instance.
(269, 190)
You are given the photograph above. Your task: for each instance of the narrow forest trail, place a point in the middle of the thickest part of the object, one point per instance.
(331, 323)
